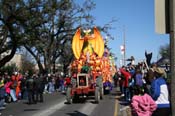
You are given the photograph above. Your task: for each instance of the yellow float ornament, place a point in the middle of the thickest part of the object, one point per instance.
(88, 43)
(98, 62)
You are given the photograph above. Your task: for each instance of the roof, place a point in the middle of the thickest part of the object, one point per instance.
(163, 61)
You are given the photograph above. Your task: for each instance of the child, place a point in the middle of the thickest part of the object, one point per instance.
(142, 104)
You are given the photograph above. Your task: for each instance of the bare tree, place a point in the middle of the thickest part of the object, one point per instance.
(43, 27)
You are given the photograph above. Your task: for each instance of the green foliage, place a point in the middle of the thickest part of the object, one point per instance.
(168, 80)
(44, 28)
(164, 51)
(9, 69)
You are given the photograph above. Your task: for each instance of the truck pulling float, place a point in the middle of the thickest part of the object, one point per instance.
(93, 67)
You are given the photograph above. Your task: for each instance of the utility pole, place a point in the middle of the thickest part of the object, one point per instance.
(172, 53)
(124, 45)
(165, 24)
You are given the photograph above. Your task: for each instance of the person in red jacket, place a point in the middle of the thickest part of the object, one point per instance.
(126, 76)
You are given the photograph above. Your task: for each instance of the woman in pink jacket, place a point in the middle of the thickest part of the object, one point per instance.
(142, 104)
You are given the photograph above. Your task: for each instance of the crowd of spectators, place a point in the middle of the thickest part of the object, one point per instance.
(145, 89)
(17, 87)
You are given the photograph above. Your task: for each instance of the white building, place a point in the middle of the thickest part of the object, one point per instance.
(17, 59)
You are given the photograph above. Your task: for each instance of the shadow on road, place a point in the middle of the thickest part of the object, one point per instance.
(27, 110)
(76, 113)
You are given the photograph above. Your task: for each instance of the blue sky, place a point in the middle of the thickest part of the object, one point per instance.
(137, 16)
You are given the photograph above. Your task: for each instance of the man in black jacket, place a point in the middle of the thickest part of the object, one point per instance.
(30, 89)
(39, 88)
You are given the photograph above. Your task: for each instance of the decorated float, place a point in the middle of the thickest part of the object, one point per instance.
(93, 67)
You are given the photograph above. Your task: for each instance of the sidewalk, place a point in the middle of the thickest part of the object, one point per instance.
(124, 108)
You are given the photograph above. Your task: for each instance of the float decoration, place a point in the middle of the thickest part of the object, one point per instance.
(90, 50)
(88, 43)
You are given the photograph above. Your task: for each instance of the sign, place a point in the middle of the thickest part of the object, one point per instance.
(162, 16)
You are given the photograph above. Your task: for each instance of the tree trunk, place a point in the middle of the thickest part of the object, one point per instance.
(54, 67)
(40, 66)
(65, 68)
(48, 66)
(8, 57)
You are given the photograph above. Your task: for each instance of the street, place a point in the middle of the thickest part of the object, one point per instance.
(55, 105)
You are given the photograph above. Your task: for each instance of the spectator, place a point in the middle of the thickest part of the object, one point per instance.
(2, 93)
(51, 82)
(30, 90)
(13, 87)
(61, 83)
(7, 86)
(23, 86)
(127, 77)
(142, 103)
(159, 92)
(46, 86)
(57, 82)
(138, 78)
(17, 81)
(39, 88)
(121, 81)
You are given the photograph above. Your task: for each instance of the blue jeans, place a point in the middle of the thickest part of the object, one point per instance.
(2, 101)
(127, 93)
(2, 96)
(46, 87)
(13, 94)
(2, 93)
(62, 88)
(51, 87)
(25, 95)
(121, 89)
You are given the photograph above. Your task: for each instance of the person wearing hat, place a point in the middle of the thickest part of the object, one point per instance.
(160, 94)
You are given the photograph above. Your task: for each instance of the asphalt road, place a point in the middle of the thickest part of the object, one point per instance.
(55, 105)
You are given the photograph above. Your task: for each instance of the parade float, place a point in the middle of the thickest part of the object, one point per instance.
(93, 67)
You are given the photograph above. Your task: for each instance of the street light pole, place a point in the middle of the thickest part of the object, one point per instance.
(172, 53)
(124, 44)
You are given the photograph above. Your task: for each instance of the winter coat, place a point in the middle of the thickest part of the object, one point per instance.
(30, 83)
(143, 105)
(7, 87)
(127, 77)
(159, 92)
(139, 80)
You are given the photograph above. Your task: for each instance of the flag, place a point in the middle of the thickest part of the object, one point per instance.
(122, 49)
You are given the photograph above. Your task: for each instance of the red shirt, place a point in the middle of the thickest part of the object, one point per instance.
(127, 76)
